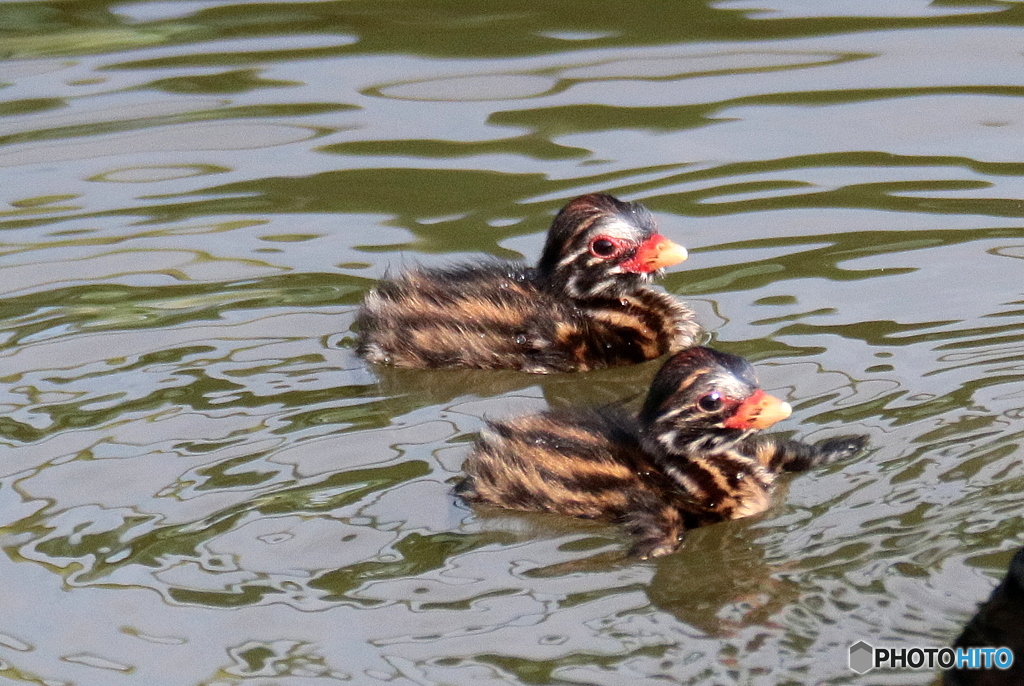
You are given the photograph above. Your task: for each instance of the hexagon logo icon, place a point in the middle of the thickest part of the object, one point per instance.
(862, 657)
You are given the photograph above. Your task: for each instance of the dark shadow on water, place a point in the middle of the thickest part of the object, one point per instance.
(998, 624)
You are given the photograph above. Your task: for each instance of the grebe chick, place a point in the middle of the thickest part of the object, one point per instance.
(691, 457)
(586, 305)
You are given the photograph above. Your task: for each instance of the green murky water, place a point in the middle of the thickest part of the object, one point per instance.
(200, 483)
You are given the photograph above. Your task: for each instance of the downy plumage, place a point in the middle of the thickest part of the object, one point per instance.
(691, 457)
(586, 305)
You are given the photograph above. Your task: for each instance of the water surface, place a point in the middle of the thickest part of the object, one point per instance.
(201, 484)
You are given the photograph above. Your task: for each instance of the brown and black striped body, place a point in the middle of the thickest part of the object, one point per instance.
(587, 305)
(592, 465)
(676, 466)
(497, 317)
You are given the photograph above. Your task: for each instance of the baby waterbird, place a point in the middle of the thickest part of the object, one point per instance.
(691, 457)
(586, 305)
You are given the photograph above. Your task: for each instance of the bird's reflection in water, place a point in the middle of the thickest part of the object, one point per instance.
(410, 389)
(998, 624)
(719, 581)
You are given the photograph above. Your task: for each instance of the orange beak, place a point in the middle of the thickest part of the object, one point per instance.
(655, 253)
(759, 411)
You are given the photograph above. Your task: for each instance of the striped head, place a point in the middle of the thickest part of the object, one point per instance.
(704, 399)
(599, 246)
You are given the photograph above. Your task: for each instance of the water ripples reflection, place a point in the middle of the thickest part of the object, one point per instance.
(202, 484)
